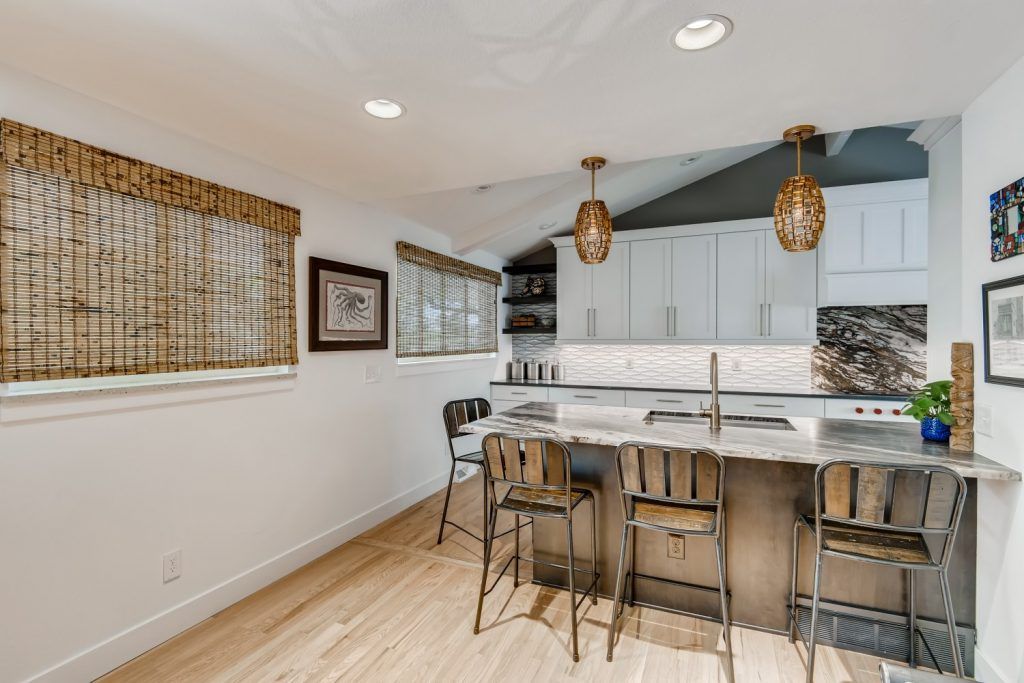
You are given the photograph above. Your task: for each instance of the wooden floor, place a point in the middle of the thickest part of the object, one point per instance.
(393, 606)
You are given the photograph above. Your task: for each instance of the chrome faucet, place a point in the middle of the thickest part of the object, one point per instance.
(714, 411)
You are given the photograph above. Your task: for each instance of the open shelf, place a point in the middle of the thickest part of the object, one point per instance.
(530, 270)
(529, 330)
(539, 299)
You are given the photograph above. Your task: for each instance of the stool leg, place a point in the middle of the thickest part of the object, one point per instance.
(722, 590)
(618, 591)
(489, 540)
(913, 619)
(515, 569)
(632, 567)
(792, 589)
(814, 617)
(572, 590)
(593, 548)
(951, 623)
(447, 497)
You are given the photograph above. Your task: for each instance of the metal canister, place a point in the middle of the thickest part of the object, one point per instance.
(530, 369)
(544, 370)
(515, 369)
(557, 372)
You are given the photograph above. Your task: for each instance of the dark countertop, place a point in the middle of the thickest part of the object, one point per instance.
(748, 391)
(814, 441)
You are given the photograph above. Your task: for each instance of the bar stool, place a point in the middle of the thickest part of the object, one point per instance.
(674, 490)
(538, 475)
(882, 514)
(457, 413)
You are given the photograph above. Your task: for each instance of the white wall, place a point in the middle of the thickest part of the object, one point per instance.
(89, 504)
(993, 156)
(945, 225)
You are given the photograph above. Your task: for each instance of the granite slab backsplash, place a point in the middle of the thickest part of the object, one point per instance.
(870, 348)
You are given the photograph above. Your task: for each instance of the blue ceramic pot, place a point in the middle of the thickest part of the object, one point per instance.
(933, 429)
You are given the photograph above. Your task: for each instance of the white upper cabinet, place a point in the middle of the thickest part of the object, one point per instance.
(791, 297)
(876, 244)
(593, 300)
(741, 313)
(672, 288)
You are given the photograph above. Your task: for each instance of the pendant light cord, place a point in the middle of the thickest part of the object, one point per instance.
(798, 142)
(593, 190)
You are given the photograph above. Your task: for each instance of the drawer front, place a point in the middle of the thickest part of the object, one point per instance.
(593, 397)
(505, 392)
(500, 406)
(854, 409)
(791, 406)
(666, 400)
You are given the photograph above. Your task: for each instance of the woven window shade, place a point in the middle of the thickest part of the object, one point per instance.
(112, 266)
(446, 307)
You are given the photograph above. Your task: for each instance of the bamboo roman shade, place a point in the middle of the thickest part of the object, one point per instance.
(446, 307)
(113, 266)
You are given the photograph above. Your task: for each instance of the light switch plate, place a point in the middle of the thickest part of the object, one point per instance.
(371, 374)
(983, 419)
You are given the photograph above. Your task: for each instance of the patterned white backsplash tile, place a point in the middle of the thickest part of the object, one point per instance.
(752, 366)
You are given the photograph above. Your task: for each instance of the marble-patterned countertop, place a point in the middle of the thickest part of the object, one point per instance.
(814, 441)
(689, 388)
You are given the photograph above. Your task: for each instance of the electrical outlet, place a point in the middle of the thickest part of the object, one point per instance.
(736, 364)
(629, 363)
(371, 374)
(172, 565)
(983, 419)
(677, 547)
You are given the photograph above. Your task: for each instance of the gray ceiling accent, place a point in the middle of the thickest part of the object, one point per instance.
(748, 189)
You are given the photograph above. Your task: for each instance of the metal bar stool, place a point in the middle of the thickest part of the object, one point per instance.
(673, 490)
(538, 475)
(882, 514)
(457, 413)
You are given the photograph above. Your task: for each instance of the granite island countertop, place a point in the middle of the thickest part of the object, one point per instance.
(813, 392)
(813, 441)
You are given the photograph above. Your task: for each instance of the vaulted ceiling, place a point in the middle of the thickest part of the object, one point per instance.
(498, 91)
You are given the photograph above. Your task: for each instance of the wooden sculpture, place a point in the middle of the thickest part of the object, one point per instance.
(961, 397)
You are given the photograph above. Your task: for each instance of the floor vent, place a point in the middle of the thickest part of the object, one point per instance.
(886, 635)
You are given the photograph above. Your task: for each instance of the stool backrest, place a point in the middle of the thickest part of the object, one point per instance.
(520, 460)
(890, 497)
(460, 412)
(670, 474)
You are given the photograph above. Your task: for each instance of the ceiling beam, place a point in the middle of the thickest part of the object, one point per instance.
(834, 142)
(932, 130)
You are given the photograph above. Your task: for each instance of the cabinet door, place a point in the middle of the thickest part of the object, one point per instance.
(694, 287)
(573, 302)
(610, 298)
(650, 289)
(791, 296)
(741, 285)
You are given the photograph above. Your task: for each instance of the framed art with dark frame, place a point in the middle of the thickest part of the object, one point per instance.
(348, 307)
(1003, 313)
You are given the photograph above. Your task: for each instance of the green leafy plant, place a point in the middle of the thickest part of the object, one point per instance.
(931, 400)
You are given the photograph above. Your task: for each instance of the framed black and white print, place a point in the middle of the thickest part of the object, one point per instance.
(348, 307)
(1003, 312)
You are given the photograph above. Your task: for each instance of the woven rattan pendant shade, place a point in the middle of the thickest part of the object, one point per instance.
(593, 232)
(112, 266)
(799, 206)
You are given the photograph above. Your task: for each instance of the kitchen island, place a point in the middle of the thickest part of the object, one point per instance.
(769, 481)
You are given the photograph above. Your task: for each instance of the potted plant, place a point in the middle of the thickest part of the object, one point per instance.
(930, 406)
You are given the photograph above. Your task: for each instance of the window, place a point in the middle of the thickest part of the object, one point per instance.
(110, 266)
(446, 307)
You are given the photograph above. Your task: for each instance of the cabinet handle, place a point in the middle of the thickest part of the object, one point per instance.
(668, 321)
(667, 400)
(593, 317)
(675, 321)
(583, 396)
(518, 393)
(769, 405)
(760, 320)
(769, 320)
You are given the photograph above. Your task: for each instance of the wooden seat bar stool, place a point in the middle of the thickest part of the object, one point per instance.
(456, 414)
(535, 477)
(674, 490)
(883, 514)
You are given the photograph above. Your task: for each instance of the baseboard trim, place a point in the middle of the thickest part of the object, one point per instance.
(985, 671)
(132, 642)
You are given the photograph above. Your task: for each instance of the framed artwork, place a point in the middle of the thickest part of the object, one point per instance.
(1006, 218)
(348, 307)
(1003, 312)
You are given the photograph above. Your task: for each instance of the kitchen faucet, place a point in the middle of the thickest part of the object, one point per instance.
(714, 411)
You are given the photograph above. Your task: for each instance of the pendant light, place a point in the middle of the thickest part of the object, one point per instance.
(799, 207)
(593, 231)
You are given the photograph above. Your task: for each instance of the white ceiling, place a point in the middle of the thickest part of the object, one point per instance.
(499, 90)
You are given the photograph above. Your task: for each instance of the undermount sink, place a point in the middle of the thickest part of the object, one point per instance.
(755, 421)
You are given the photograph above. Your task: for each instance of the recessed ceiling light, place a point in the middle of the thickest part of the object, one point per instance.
(384, 108)
(547, 226)
(482, 188)
(690, 160)
(701, 32)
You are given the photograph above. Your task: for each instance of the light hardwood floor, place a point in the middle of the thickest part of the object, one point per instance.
(393, 606)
